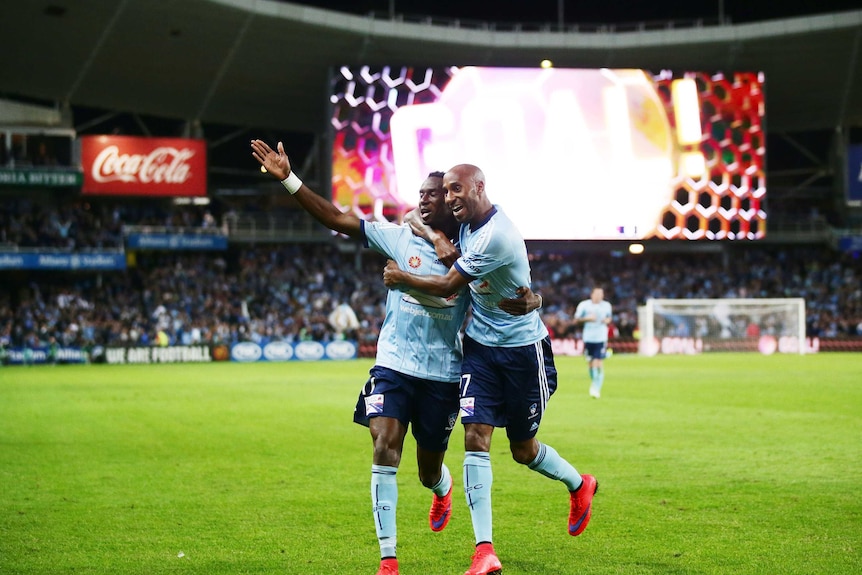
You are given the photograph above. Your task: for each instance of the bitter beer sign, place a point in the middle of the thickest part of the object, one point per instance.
(40, 177)
(126, 165)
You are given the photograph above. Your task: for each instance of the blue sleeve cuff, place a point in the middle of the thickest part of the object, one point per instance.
(362, 233)
(462, 272)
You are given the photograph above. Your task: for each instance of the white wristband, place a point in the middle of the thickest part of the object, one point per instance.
(541, 301)
(292, 182)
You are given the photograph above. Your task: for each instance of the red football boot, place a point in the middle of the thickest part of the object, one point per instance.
(582, 505)
(441, 511)
(388, 567)
(485, 561)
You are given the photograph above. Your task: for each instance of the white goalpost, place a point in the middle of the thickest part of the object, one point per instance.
(691, 326)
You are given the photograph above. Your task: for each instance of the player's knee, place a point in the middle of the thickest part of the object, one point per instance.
(476, 438)
(428, 480)
(386, 453)
(524, 452)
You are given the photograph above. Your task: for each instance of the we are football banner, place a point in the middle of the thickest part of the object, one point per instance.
(127, 165)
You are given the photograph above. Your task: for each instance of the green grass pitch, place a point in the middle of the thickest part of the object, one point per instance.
(722, 463)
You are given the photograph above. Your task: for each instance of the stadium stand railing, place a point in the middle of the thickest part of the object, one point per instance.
(266, 228)
(569, 27)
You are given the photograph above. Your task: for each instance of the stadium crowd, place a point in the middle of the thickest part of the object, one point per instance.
(288, 292)
(830, 282)
(90, 225)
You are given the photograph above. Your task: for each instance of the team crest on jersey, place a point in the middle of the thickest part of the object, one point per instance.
(414, 262)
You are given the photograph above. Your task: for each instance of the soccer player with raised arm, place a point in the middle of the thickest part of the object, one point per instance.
(595, 314)
(508, 373)
(417, 369)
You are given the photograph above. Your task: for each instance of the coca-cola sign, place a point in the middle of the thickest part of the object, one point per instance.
(127, 165)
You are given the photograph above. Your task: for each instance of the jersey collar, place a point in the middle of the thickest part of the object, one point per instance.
(485, 221)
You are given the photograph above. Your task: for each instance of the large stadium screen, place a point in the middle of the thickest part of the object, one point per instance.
(569, 154)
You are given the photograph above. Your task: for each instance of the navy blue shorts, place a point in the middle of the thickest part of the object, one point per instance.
(596, 350)
(507, 386)
(430, 406)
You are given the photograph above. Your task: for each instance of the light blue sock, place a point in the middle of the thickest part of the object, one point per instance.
(384, 500)
(600, 378)
(477, 487)
(442, 487)
(549, 463)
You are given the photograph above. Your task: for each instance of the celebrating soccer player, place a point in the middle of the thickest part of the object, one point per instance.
(508, 373)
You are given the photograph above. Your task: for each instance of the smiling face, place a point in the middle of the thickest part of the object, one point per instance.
(432, 203)
(465, 193)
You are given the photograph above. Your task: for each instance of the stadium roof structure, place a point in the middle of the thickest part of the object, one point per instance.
(264, 64)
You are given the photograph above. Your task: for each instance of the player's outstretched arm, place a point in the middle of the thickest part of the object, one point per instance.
(277, 165)
(526, 302)
(442, 286)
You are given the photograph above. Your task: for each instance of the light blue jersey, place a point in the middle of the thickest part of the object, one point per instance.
(420, 335)
(494, 257)
(595, 331)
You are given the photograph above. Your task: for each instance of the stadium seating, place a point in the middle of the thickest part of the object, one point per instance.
(286, 292)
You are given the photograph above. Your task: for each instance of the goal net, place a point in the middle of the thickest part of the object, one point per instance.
(691, 326)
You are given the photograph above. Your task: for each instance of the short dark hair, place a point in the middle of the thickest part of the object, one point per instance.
(436, 174)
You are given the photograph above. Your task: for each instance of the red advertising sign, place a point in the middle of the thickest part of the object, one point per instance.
(128, 165)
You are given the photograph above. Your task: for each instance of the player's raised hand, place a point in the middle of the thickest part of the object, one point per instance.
(276, 163)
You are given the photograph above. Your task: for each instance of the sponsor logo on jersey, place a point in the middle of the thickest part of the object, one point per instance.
(481, 286)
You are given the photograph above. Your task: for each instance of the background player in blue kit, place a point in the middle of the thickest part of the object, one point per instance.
(595, 314)
(508, 372)
(417, 369)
